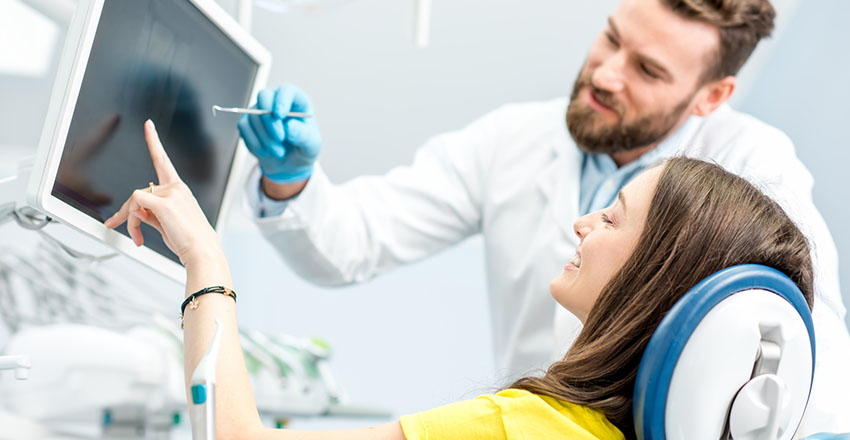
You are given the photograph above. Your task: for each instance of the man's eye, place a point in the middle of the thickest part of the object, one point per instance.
(647, 71)
(611, 39)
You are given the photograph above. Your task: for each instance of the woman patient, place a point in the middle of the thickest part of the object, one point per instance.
(672, 226)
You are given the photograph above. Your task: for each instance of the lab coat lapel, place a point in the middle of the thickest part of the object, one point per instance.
(559, 184)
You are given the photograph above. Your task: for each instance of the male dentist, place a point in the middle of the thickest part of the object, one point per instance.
(654, 84)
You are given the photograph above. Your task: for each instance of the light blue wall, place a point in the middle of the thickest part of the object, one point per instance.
(804, 89)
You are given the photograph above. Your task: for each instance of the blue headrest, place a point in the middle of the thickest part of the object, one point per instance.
(668, 341)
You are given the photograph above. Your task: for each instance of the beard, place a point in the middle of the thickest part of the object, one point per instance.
(593, 135)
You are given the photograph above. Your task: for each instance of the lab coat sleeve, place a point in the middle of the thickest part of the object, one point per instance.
(257, 202)
(339, 234)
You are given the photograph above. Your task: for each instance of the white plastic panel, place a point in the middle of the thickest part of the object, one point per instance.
(719, 357)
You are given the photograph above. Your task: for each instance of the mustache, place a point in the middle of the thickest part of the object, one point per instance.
(604, 97)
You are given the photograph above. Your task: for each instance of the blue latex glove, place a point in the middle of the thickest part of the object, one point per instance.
(285, 147)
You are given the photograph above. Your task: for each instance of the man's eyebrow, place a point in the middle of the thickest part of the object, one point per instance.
(643, 58)
(613, 27)
(622, 199)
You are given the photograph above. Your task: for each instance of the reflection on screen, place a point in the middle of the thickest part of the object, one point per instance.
(163, 60)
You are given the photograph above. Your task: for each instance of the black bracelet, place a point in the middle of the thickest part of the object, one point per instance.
(192, 301)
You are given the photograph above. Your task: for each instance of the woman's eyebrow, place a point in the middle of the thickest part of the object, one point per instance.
(622, 199)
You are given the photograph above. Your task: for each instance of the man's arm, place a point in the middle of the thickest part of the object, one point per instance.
(338, 234)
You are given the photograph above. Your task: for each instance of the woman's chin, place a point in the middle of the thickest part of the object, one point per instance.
(559, 291)
(563, 291)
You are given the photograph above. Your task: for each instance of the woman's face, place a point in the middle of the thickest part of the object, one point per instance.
(607, 238)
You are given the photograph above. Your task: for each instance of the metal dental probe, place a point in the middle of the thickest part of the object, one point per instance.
(255, 111)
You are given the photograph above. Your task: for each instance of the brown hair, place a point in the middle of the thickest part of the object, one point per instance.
(742, 24)
(701, 219)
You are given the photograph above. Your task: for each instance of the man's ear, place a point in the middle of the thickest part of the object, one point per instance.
(713, 95)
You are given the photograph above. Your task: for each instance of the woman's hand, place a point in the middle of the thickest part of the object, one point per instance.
(171, 209)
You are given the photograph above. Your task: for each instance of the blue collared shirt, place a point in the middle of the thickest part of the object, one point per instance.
(601, 179)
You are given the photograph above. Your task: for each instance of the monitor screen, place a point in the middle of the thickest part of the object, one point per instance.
(162, 60)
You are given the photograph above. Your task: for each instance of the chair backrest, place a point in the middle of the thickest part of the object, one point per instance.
(735, 355)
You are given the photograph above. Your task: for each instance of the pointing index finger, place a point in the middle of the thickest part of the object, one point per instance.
(165, 171)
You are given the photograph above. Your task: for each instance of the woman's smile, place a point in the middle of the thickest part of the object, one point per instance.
(575, 262)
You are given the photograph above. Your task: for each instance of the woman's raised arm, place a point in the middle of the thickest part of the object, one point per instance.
(172, 210)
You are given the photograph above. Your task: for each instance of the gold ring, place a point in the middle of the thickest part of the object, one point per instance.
(150, 187)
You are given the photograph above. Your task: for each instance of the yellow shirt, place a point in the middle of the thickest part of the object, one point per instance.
(510, 415)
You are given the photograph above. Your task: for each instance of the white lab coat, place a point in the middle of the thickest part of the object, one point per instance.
(513, 176)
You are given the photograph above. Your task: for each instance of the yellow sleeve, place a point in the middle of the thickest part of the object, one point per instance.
(475, 419)
(509, 415)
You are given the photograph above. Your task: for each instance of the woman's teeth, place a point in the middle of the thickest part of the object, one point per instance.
(576, 260)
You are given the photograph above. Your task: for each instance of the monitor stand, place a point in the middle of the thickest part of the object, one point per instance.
(13, 190)
(14, 206)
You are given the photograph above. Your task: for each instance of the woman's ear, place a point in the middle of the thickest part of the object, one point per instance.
(714, 94)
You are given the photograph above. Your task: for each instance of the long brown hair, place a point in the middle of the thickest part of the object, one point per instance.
(701, 219)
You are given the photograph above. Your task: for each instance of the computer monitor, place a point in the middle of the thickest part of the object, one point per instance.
(126, 61)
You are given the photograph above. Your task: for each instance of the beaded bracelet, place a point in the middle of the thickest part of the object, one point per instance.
(192, 300)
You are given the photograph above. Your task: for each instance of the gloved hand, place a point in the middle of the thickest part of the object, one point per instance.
(286, 147)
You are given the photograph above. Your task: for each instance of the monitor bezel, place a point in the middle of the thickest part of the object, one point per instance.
(63, 100)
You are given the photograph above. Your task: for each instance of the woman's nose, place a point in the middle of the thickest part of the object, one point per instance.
(583, 226)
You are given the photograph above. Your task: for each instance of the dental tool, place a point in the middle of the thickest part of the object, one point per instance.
(203, 391)
(255, 111)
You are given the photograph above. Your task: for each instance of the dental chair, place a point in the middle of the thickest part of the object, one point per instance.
(733, 359)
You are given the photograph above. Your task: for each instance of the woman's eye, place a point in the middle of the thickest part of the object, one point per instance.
(606, 219)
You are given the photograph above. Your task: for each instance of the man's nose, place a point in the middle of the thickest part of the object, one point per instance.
(609, 75)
